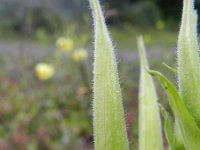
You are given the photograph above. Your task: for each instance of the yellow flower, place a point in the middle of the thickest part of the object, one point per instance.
(80, 55)
(65, 44)
(147, 38)
(44, 71)
(160, 24)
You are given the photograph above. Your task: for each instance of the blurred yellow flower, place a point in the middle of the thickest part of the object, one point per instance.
(80, 55)
(147, 38)
(65, 44)
(44, 71)
(160, 24)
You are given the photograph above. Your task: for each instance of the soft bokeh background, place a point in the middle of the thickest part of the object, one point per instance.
(46, 56)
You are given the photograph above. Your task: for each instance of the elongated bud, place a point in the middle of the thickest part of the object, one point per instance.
(188, 61)
(109, 125)
(150, 132)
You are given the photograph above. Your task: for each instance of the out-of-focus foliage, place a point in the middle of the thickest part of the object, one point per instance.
(44, 106)
(140, 14)
(25, 17)
(56, 113)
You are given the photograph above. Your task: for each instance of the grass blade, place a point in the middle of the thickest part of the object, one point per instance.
(168, 127)
(178, 141)
(109, 125)
(172, 132)
(150, 134)
(188, 127)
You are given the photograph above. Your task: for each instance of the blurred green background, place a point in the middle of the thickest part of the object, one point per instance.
(46, 57)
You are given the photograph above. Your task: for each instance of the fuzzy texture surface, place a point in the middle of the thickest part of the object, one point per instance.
(188, 61)
(188, 127)
(108, 115)
(150, 132)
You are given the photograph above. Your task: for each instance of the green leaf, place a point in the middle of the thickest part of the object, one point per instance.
(188, 127)
(188, 61)
(150, 132)
(168, 127)
(173, 137)
(178, 141)
(108, 115)
(170, 68)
